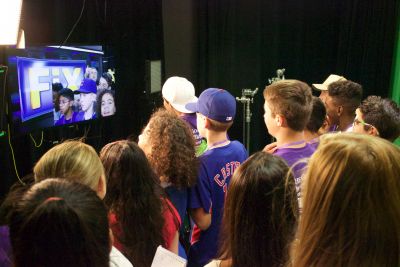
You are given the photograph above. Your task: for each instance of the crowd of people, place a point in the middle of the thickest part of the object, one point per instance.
(94, 98)
(326, 193)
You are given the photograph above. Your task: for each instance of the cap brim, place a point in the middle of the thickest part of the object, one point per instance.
(182, 108)
(79, 91)
(320, 87)
(191, 107)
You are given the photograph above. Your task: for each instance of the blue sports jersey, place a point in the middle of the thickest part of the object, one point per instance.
(216, 168)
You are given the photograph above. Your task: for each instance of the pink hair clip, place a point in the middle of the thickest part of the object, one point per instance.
(52, 199)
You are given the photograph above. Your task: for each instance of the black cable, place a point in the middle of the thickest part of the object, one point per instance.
(76, 23)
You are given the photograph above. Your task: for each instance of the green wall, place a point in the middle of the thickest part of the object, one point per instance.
(396, 69)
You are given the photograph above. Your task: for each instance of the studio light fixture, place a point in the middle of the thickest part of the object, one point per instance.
(10, 14)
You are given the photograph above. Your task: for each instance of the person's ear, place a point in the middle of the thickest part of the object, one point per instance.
(339, 110)
(279, 120)
(207, 122)
(373, 131)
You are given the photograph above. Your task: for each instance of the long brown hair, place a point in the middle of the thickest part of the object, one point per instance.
(260, 213)
(172, 149)
(351, 209)
(134, 196)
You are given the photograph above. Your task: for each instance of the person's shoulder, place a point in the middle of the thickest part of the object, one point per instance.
(80, 116)
(213, 263)
(238, 147)
(237, 144)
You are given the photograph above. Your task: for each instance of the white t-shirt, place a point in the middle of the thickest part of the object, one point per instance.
(117, 259)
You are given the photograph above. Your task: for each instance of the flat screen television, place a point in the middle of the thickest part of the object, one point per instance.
(53, 86)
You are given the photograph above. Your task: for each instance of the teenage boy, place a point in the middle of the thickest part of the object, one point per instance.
(288, 106)
(341, 103)
(379, 117)
(87, 100)
(323, 87)
(66, 103)
(215, 110)
(177, 92)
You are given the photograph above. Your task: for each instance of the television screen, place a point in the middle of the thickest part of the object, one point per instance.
(53, 86)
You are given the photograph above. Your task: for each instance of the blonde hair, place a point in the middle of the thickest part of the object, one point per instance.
(351, 209)
(73, 160)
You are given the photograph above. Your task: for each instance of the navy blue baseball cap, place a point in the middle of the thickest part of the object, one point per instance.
(87, 86)
(216, 104)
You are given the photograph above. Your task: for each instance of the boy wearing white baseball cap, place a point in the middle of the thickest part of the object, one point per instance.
(177, 92)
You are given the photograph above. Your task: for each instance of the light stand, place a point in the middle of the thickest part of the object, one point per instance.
(247, 99)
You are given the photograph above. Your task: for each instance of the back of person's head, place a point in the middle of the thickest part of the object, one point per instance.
(72, 160)
(134, 196)
(318, 115)
(260, 213)
(172, 148)
(60, 223)
(351, 208)
(13, 196)
(177, 92)
(291, 99)
(347, 94)
(218, 106)
(382, 113)
(57, 87)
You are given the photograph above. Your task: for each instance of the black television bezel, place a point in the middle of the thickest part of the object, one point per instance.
(41, 122)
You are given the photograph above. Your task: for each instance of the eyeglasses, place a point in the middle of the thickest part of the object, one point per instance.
(358, 121)
(64, 102)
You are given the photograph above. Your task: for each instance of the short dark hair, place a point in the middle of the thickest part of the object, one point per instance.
(60, 223)
(383, 114)
(56, 87)
(318, 115)
(66, 92)
(291, 99)
(347, 94)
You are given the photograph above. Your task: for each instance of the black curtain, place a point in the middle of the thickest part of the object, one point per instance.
(242, 43)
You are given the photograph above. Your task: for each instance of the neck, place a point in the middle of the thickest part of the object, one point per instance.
(215, 137)
(89, 113)
(287, 136)
(68, 115)
(226, 263)
(308, 135)
(345, 121)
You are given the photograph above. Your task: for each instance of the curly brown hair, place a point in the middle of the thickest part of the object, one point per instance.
(172, 149)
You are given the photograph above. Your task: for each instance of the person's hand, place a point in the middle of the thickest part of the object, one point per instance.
(270, 148)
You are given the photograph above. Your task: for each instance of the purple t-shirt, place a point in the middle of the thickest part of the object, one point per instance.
(216, 168)
(294, 155)
(5, 247)
(63, 120)
(314, 143)
(200, 142)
